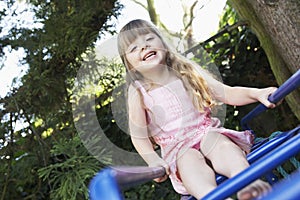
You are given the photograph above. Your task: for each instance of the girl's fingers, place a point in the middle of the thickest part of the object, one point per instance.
(167, 168)
(264, 97)
(161, 179)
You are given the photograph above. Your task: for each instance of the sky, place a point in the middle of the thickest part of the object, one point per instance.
(205, 25)
(206, 22)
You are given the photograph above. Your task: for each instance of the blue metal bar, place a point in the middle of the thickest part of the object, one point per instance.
(288, 189)
(268, 162)
(271, 144)
(265, 148)
(287, 87)
(108, 183)
(104, 186)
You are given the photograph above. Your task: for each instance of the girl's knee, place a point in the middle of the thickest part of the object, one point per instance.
(188, 155)
(214, 142)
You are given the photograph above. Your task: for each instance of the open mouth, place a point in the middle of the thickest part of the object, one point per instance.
(149, 55)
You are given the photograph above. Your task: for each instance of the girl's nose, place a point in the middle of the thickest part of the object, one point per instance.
(146, 46)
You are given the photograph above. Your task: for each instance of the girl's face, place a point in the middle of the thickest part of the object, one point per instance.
(146, 52)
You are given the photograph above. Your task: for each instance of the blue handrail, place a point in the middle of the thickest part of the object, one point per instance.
(276, 157)
(108, 183)
(266, 148)
(286, 189)
(287, 87)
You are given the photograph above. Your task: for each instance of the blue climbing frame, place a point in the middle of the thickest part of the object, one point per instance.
(265, 156)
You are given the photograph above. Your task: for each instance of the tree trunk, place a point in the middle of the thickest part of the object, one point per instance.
(276, 23)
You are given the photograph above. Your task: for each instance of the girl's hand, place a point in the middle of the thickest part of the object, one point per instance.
(264, 94)
(161, 163)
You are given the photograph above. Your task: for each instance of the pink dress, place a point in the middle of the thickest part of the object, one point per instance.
(175, 124)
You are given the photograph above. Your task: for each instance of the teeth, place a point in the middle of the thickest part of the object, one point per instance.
(149, 55)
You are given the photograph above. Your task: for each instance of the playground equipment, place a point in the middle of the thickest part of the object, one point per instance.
(264, 157)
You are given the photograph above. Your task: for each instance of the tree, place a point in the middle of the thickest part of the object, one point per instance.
(45, 158)
(276, 24)
(188, 8)
(237, 46)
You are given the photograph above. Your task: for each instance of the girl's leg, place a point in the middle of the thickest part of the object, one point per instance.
(197, 177)
(228, 159)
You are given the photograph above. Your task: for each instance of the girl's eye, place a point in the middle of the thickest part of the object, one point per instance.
(133, 49)
(149, 38)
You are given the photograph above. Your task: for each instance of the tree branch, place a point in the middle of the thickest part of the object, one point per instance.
(220, 33)
(189, 24)
(139, 3)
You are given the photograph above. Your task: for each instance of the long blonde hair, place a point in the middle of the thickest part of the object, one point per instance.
(184, 68)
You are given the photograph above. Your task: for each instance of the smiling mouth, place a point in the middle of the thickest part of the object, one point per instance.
(148, 55)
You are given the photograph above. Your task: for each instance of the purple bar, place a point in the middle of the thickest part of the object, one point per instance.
(127, 176)
(109, 182)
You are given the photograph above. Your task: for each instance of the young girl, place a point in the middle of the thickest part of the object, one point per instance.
(169, 103)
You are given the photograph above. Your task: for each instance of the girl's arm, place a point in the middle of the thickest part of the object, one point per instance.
(239, 96)
(139, 132)
(243, 95)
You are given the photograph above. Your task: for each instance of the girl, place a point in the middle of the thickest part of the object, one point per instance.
(169, 104)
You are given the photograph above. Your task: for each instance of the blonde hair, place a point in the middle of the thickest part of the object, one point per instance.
(185, 69)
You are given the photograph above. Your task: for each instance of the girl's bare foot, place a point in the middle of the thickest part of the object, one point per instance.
(253, 190)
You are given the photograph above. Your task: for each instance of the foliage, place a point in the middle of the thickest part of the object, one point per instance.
(71, 170)
(34, 163)
(151, 190)
(46, 158)
(242, 61)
